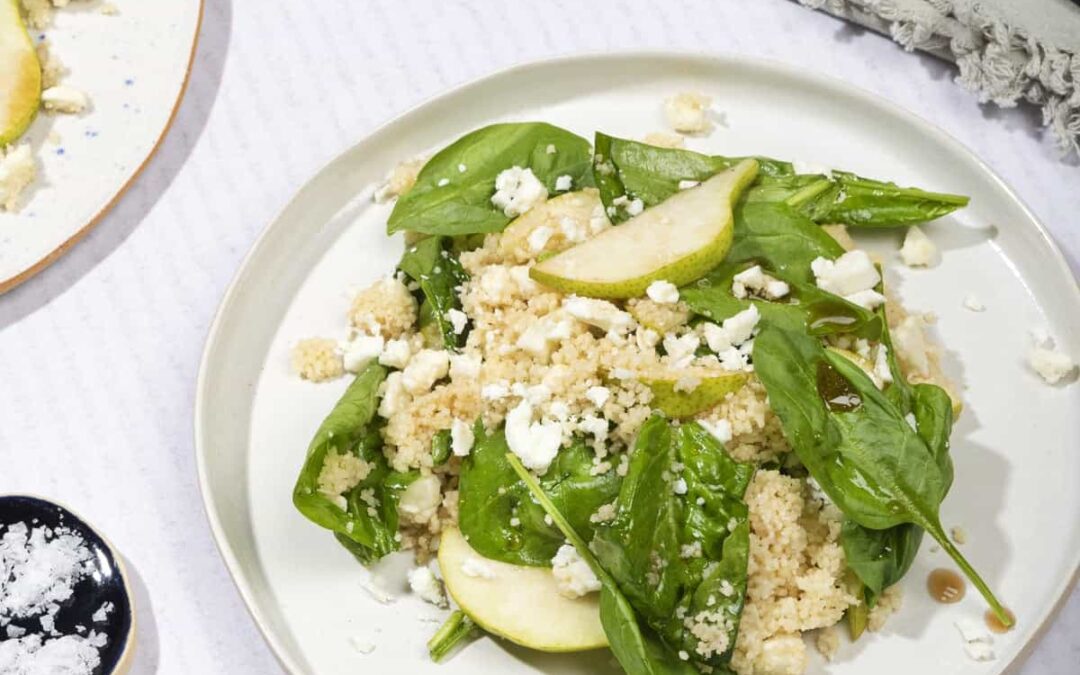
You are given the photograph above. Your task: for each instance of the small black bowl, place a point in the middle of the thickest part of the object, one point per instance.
(107, 583)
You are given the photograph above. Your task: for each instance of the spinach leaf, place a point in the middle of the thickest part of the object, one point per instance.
(454, 631)
(873, 465)
(636, 648)
(441, 447)
(491, 496)
(367, 531)
(880, 558)
(786, 241)
(652, 174)
(439, 272)
(680, 556)
(448, 201)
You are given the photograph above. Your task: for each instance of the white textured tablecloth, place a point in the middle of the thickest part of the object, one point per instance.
(98, 355)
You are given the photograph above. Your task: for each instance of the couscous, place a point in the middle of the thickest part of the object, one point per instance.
(561, 373)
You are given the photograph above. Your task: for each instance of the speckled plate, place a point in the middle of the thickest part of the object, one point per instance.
(1017, 469)
(134, 67)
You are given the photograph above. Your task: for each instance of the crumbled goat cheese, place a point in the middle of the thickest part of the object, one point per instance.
(422, 581)
(598, 395)
(550, 149)
(356, 353)
(971, 302)
(782, 654)
(535, 443)
(688, 113)
(918, 250)
(851, 273)
(663, 292)
(1051, 365)
(978, 642)
(17, 171)
(564, 183)
(868, 299)
(734, 331)
(811, 168)
(394, 395)
(464, 367)
(396, 353)
(421, 499)
(593, 425)
(681, 349)
(102, 613)
(909, 340)
(635, 207)
(754, 281)
(458, 320)
(517, 190)
(600, 313)
(720, 429)
(679, 487)
(573, 576)
(687, 184)
(540, 336)
(477, 568)
(424, 369)
(494, 391)
(461, 437)
(539, 238)
(64, 99)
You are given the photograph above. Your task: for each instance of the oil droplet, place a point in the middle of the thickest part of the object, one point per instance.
(946, 586)
(837, 392)
(994, 623)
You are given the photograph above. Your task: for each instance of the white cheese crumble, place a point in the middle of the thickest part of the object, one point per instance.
(978, 642)
(720, 429)
(573, 576)
(458, 320)
(811, 168)
(918, 250)
(600, 313)
(539, 337)
(754, 281)
(464, 367)
(394, 396)
(564, 183)
(1051, 365)
(550, 149)
(687, 184)
(679, 487)
(424, 369)
(973, 303)
(535, 443)
(881, 365)
(681, 349)
(477, 568)
(688, 113)
(462, 438)
(64, 99)
(422, 581)
(421, 499)
(539, 238)
(17, 171)
(494, 391)
(598, 395)
(852, 276)
(396, 353)
(517, 190)
(734, 331)
(362, 349)
(663, 292)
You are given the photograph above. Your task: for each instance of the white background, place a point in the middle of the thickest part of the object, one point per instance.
(98, 355)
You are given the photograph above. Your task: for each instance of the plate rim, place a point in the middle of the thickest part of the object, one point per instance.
(52, 256)
(233, 292)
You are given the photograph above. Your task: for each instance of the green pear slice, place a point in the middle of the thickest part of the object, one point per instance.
(574, 209)
(678, 240)
(521, 604)
(703, 388)
(20, 74)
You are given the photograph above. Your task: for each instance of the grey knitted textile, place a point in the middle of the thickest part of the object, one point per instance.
(1007, 50)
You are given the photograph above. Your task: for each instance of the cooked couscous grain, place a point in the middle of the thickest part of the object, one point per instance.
(317, 359)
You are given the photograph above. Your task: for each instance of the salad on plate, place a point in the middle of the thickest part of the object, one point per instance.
(624, 395)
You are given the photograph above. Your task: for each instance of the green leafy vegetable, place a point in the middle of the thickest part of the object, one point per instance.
(441, 447)
(446, 200)
(680, 556)
(867, 458)
(439, 273)
(368, 532)
(652, 174)
(636, 648)
(785, 240)
(454, 631)
(491, 496)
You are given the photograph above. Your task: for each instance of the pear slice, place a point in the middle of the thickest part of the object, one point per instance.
(574, 209)
(702, 389)
(678, 240)
(521, 604)
(20, 74)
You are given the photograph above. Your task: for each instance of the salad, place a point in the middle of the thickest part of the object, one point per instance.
(626, 396)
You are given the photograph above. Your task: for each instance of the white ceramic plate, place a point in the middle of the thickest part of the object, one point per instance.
(134, 66)
(1015, 447)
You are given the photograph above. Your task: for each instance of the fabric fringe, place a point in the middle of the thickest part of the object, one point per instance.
(1001, 64)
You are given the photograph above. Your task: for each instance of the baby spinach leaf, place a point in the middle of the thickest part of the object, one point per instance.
(873, 465)
(652, 174)
(457, 629)
(491, 496)
(636, 648)
(786, 241)
(446, 200)
(431, 264)
(880, 558)
(680, 556)
(441, 447)
(367, 531)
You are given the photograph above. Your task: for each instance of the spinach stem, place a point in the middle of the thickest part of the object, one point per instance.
(809, 192)
(999, 610)
(457, 628)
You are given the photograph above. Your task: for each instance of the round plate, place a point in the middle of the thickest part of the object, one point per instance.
(1014, 447)
(134, 66)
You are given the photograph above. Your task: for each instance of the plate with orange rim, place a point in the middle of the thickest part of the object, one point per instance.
(1014, 447)
(132, 59)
